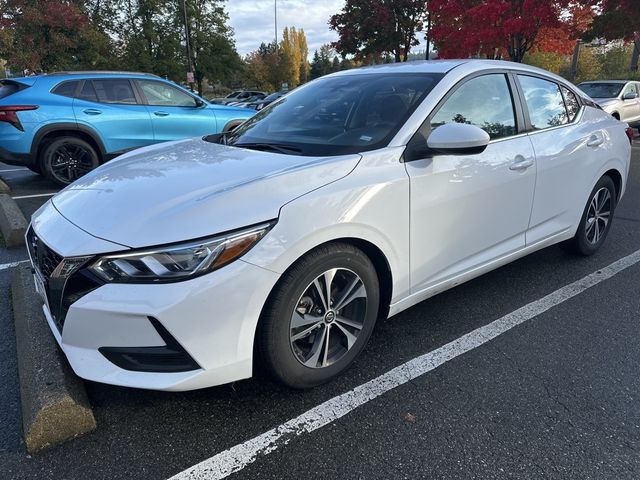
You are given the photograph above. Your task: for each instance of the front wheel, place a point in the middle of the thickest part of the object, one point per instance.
(596, 218)
(320, 316)
(66, 159)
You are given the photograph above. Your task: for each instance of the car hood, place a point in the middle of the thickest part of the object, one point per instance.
(190, 189)
(605, 101)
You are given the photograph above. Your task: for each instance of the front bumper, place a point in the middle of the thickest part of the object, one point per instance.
(212, 318)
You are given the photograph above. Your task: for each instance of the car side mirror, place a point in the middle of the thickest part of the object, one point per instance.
(630, 96)
(199, 103)
(458, 139)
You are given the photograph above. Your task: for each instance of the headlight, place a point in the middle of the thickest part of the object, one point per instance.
(180, 261)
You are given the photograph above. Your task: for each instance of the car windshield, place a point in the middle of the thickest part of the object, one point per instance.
(273, 96)
(602, 89)
(336, 115)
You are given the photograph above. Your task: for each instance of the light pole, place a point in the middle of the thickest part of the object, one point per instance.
(275, 21)
(190, 73)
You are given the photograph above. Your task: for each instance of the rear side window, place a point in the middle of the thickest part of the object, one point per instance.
(483, 101)
(544, 102)
(114, 90)
(66, 89)
(88, 93)
(571, 102)
(8, 88)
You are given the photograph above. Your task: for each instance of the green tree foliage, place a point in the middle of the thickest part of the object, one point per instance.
(46, 35)
(375, 28)
(321, 63)
(144, 35)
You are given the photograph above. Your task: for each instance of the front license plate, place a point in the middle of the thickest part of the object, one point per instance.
(37, 277)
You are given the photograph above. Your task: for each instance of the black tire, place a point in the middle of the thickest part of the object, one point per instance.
(274, 335)
(65, 159)
(35, 169)
(583, 243)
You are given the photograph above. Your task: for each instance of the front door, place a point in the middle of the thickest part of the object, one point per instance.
(174, 113)
(467, 210)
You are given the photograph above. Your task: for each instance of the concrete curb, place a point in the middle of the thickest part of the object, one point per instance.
(13, 225)
(4, 188)
(55, 406)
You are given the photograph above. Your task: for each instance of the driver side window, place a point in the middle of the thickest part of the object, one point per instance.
(630, 88)
(482, 101)
(162, 95)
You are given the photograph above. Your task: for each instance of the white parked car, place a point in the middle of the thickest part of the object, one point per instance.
(620, 98)
(351, 199)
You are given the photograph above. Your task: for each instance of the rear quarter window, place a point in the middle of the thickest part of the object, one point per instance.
(66, 89)
(8, 88)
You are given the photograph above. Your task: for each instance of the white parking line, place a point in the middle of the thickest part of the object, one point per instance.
(236, 458)
(35, 195)
(4, 266)
(15, 170)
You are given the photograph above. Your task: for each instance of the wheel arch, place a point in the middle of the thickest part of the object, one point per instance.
(616, 176)
(373, 252)
(49, 132)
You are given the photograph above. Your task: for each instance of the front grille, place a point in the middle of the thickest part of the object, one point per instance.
(44, 258)
(64, 280)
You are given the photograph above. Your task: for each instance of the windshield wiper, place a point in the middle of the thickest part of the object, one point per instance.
(266, 147)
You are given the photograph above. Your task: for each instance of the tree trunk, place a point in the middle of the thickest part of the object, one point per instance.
(635, 56)
(574, 61)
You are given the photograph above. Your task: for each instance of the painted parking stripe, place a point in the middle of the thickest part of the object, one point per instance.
(4, 266)
(236, 458)
(15, 170)
(35, 195)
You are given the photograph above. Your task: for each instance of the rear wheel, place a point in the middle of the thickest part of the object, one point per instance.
(320, 316)
(65, 159)
(596, 218)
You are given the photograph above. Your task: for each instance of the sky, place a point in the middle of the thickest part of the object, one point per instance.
(252, 21)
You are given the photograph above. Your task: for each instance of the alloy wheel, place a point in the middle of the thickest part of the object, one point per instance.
(598, 215)
(328, 318)
(70, 162)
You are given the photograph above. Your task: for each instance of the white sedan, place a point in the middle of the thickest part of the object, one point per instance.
(184, 265)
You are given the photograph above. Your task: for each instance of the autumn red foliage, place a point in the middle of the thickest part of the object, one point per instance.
(507, 28)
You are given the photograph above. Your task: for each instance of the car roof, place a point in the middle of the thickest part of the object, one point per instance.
(444, 66)
(61, 76)
(607, 81)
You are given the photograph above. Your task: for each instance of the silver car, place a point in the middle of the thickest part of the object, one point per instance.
(620, 98)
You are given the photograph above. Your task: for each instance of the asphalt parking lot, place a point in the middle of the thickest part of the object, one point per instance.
(557, 396)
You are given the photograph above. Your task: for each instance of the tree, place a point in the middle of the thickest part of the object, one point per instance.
(47, 35)
(369, 28)
(619, 19)
(213, 50)
(321, 63)
(502, 28)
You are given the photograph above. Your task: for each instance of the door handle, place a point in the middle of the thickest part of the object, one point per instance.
(521, 164)
(161, 114)
(92, 111)
(595, 140)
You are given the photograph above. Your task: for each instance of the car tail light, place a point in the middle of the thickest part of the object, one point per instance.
(9, 114)
(630, 134)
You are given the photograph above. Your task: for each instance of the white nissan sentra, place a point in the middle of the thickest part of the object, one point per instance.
(185, 265)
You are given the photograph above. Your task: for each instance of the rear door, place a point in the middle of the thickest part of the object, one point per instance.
(568, 155)
(111, 107)
(467, 210)
(174, 113)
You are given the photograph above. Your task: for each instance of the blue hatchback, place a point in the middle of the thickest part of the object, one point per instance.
(63, 125)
